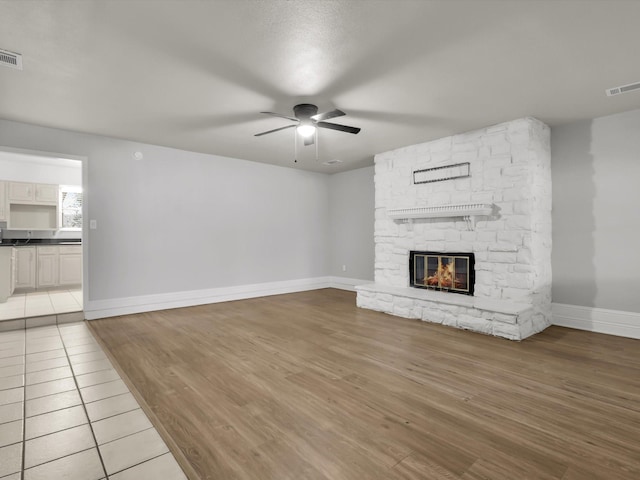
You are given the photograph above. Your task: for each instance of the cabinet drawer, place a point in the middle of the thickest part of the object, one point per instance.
(48, 250)
(70, 249)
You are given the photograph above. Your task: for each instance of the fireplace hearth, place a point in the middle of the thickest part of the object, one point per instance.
(448, 272)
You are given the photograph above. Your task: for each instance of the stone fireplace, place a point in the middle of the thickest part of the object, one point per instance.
(466, 214)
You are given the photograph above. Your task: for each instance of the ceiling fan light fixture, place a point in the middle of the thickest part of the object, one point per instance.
(306, 130)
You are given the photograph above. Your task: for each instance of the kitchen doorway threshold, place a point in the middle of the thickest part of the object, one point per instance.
(40, 321)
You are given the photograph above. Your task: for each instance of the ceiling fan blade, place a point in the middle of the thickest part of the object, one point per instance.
(327, 115)
(341, 128)
(274, 130)
(309, 140)
(293, 119)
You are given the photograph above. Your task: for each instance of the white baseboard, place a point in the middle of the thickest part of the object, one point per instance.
(347, 283)
(600, 320)
(147, 303)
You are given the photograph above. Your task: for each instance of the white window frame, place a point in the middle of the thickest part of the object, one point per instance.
(71, 189)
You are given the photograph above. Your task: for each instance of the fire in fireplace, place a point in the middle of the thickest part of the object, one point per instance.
(451, 272)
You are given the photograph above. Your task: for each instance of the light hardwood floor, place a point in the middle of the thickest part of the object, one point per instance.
(307, 386)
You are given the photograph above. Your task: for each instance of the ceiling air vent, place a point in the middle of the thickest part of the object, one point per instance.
(623, 89)
(10, 59)
(332, 162)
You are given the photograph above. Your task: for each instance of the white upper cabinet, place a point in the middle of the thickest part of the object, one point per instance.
(39, 193)
(32, 206)
(21, 192)
(46, 193)
(3, 201)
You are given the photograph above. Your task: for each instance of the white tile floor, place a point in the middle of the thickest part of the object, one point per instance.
(42, 302)
(65, 412)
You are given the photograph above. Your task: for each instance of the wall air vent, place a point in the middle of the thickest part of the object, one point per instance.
(10, 59)
(623, 89)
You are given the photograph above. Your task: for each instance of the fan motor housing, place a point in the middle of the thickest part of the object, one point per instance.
(305, 110)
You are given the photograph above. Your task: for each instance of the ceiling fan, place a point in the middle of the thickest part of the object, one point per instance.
(307, 119)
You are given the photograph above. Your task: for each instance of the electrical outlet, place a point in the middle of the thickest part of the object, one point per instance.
(344, 268)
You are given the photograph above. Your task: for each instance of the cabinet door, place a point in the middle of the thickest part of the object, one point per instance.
(26, 267)
(47, 270)
(21, 192)
(14, 266)
(71, 269)
(3, 201)
(46, 193)
(5, 273)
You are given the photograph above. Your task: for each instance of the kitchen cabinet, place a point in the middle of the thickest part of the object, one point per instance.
(7, 257)
(47, 266)
(31, 206)
(36, 193)
(25, 267)
(21, 192)
(70, 265)
(3, 201)
(46, 193)
(59, 265)
(14, 265)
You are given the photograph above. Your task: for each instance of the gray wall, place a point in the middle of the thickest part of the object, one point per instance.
(351, 206)
(179, 221)
(596, 212)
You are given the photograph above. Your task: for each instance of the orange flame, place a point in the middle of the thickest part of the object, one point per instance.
(444, 277)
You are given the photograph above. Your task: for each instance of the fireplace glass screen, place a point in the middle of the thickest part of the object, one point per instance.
(451, 272)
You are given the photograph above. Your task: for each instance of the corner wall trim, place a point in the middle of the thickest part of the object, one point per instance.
(599, 320)
(349, 284)
(147, 303)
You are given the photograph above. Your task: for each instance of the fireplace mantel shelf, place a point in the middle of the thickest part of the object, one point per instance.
(458, 210)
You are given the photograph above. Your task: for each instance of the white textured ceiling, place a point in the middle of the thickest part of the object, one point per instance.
(195, 74)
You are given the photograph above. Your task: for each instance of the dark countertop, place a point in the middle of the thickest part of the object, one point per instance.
(23, 242)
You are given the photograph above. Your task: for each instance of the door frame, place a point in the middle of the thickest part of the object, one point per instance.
(85, 206)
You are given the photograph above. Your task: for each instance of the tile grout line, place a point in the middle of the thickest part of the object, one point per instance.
(131, 434)
(61, 335)
(145, 461)
(24, 405)
(84, 406)
(58, 458)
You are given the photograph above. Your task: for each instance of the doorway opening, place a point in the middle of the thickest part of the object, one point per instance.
(41, 240)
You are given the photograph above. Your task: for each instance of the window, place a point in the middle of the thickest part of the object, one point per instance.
(70, 207)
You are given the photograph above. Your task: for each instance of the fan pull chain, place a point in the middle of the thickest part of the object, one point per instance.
(295, 146)
(316, 142)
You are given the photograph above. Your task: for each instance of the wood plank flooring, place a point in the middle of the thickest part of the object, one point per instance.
(307, 386)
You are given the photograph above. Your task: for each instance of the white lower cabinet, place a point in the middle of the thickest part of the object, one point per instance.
(59, 265)
(47, 266)
(6, 273)
(25, 267)
(70, 265)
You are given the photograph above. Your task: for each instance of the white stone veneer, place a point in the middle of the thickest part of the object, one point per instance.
(510, 168)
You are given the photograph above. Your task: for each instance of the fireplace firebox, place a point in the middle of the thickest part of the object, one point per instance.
(450, 272)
